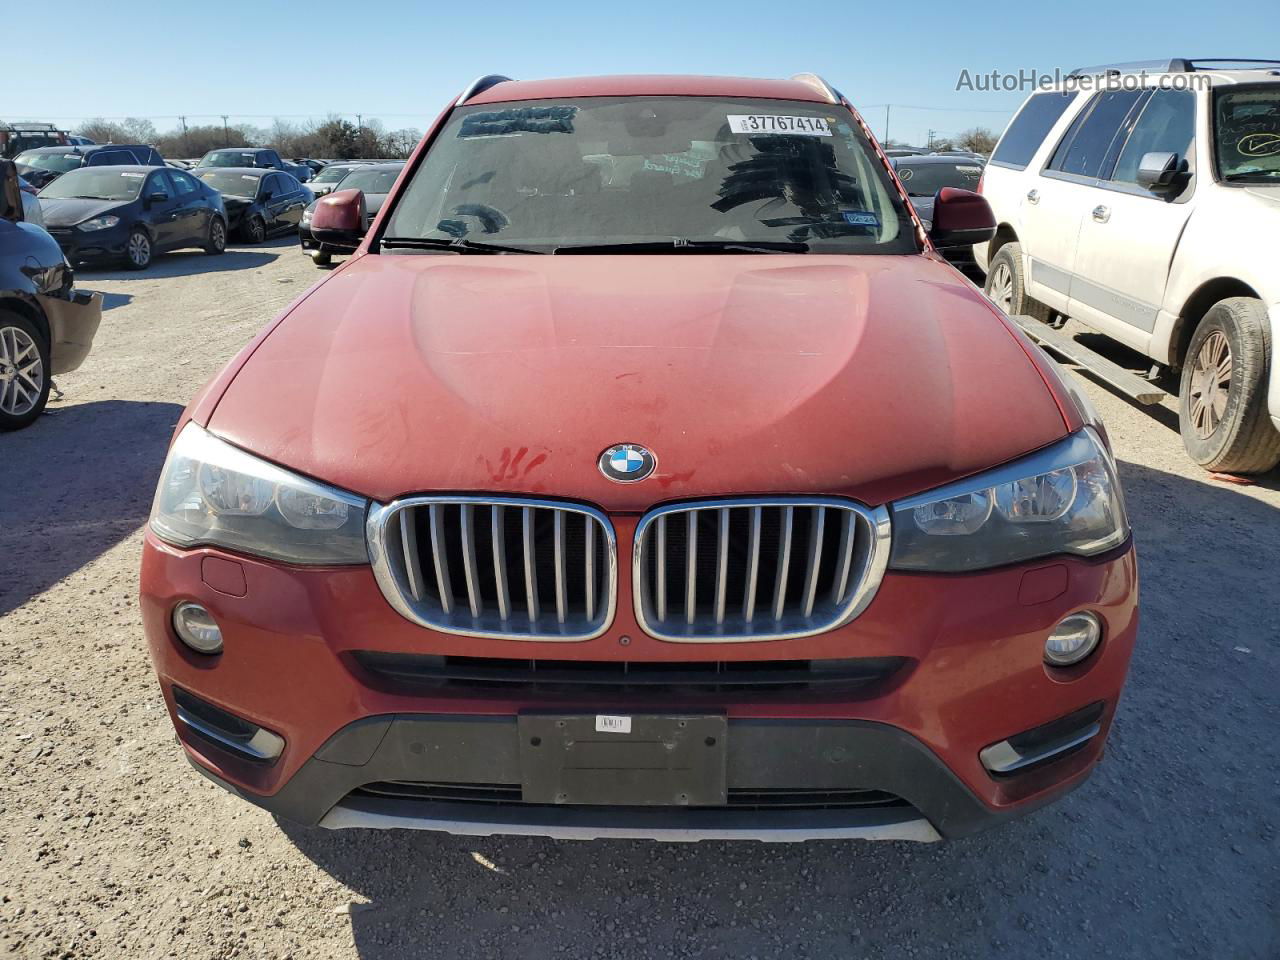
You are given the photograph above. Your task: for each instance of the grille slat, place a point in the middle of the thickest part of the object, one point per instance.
(440, 558)
(506, 568)
(753, 567)
(499, 535)
(800, 566)
(412, 563)
(815, 561)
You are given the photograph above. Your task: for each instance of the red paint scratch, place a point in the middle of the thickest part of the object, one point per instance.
(667, 479)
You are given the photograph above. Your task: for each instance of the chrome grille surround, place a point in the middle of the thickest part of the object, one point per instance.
(803, 586)
(447, 563)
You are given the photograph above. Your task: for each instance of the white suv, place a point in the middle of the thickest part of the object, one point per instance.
(1144, 201)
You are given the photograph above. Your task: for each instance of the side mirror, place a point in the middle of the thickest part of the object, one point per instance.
(960, 218)
(265, 196)
(339, 218)
(1159, 172)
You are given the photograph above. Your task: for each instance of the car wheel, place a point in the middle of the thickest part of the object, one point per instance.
(320, 258)
(137, 251)
(1223, 395)
(217, 241)
(255, 230)
(1006, 284)
(24, 372)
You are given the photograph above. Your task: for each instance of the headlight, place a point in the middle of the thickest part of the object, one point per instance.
(306, 216)
(213, 493)
(100, 223)
(1065, 499)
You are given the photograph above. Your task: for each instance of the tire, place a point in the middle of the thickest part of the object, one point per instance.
(320, 258)
(1006, 284)
(25, 375)
(216, 242)
(1222, 399)
(138, 250)
(255, 230)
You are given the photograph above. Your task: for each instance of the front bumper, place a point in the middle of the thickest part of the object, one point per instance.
(92, 246)
(972, 676)
(73, 322)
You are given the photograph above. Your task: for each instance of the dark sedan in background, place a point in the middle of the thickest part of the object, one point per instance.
(263, 157)
(375, 180)
(130, 214)
(923, 177)
(43, 165)
(259, 203)
(328, 178)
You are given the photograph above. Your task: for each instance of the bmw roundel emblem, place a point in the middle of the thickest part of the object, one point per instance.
(627, 463)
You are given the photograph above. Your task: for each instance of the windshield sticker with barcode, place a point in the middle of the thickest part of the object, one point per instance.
(777, 124)
(71, 156)
(860, 218)
(135, 176)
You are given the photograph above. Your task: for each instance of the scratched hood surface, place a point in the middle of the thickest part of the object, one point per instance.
(872, 377)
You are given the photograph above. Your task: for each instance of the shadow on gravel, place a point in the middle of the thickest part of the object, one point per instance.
(188, 263)
(72, 486)
(112, 300)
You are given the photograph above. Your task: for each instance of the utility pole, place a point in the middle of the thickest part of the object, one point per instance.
(186, 143)
(226, 139)
(886, 123)
(931, 133)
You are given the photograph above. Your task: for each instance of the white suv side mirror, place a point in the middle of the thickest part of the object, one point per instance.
(1159, 172)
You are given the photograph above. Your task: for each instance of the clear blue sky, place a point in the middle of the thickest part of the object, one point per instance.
(402, 61)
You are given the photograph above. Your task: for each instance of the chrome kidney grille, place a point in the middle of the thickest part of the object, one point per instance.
(757, 569)
(489, 567)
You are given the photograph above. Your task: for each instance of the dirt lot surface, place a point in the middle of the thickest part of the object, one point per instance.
(110, 846)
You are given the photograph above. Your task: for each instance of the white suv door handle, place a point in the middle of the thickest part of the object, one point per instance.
(1033, 196)
(1101, 214)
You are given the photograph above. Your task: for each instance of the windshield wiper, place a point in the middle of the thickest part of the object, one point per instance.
(680, 245)
(1253, 176)
(456, 244)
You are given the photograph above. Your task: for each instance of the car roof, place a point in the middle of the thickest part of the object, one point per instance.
(122, 168)
(255, 171)
(939, 158)
(85, 148)
(641, 85)
(236, 150)
(398, 164)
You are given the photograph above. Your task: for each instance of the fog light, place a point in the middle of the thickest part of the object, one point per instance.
(1072, 640)
(196, 628)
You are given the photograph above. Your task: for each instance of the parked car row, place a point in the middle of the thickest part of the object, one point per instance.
(374, 181)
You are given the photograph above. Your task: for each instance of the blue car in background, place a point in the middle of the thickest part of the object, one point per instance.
(129, 214)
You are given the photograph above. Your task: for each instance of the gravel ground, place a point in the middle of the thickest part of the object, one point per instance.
(110, 846)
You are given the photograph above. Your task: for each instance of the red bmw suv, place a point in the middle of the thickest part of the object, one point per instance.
(646, 472)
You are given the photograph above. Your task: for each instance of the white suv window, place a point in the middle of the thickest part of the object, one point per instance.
(1088, 140)
(1167, 125)
(1029, 128)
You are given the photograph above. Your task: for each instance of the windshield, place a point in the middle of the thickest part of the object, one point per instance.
(1246, 124)
(96, 183)
(57, 161)
(618, 170)
(926, 179)
(331, 173)
(229, 158)
(232, 184)
(370, 181)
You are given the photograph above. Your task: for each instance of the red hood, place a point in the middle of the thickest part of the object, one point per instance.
(871, 377)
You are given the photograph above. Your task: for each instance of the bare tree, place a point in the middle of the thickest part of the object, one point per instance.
(977, 139)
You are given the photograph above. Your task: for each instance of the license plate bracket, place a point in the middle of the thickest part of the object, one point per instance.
(633, 760)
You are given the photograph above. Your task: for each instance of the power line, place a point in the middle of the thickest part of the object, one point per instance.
(908, 106)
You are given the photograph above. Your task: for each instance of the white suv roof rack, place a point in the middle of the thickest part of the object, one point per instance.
(1176, 65)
